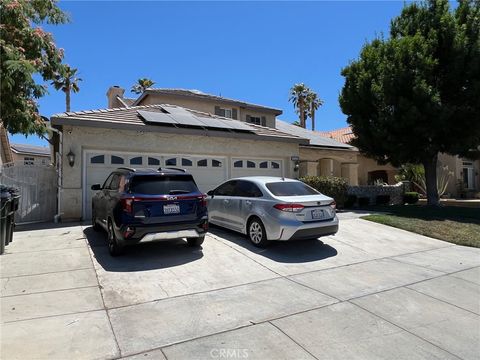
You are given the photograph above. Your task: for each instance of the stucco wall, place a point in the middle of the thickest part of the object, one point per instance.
(205, 106)
(79, 139)
(455, 164)
(366, 165)
(37, 159)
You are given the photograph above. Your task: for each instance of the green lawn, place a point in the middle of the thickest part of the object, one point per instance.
(453, 224)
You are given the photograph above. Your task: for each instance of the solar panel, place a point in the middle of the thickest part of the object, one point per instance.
(214, 123)
(239, 125)
(183, 116)
(156, 117)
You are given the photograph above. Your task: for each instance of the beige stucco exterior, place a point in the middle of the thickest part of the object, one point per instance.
(206, 106)
(455, 164)
(79, 139)
(37, 159)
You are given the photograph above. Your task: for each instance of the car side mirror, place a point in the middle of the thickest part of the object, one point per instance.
(211, 193)
(96, 187)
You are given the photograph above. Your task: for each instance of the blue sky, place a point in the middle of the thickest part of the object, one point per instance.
(252, 51)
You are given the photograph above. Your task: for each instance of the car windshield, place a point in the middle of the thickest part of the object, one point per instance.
(163, 185)
(290, 188)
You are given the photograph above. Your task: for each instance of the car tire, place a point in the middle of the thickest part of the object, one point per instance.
(95, 225)
(256, 233)
(195, 242)
(113, 247)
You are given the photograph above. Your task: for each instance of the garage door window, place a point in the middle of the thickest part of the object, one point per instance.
(202, 163)
(153, 161)
(171, 162)
(99, 159)
(251, 164)
(275, 165)
(263, 165)
(186, 162)
(216, 163)
(117, 160)
(238, 164)
(136, 161)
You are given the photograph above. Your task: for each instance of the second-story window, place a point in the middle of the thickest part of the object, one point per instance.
(257, 120)
(226, 112)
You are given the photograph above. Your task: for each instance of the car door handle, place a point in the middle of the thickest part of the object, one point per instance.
(248, 202)
(225, 201)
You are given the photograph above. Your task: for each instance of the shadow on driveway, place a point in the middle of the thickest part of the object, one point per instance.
(142, 257)
(296, 251)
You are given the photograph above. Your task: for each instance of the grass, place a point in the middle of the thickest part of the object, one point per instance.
(453, 224)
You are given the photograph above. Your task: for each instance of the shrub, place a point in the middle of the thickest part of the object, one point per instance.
(410, 197)
(383, 199)
(334, 187)
(351, 201)
(363, 201)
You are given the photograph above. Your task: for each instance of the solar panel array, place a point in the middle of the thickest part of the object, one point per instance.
(180, 116)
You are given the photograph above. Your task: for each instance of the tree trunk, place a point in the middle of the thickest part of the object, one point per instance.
(302, 115)
(313, 118)
(430, 166)
(67, 100)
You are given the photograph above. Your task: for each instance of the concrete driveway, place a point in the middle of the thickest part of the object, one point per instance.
(371, 291)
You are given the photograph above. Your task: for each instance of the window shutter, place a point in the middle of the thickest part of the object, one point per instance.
(264, 121)
(248, 118)
(234, 114)
(217, 111)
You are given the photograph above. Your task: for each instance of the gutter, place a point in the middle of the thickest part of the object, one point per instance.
(59, 157)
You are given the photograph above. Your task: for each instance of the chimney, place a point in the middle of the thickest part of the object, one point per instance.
(113, 93)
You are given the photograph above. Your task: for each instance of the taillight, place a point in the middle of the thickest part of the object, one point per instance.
(203, 200)
(289, 207)
(127, 204)
(333, 205)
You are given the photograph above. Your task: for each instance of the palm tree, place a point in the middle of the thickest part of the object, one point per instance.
(142, 85)
(67, 81)
(298, 97)
(313, 103)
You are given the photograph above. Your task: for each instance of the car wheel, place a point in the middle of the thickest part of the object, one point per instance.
(113, 247)
(195, 242)
(257, 233)
(95, 225)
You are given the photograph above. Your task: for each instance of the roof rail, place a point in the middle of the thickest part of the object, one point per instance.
(127, 168)
(172, 168)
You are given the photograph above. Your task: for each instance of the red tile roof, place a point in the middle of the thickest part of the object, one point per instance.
(343, 135)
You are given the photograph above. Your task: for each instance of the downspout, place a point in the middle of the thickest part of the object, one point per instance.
(57, 216)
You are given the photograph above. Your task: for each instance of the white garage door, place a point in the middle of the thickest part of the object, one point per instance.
(256, 167)
(208, 171)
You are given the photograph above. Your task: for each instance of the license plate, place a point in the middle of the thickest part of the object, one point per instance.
(171, 209)
(320, 214)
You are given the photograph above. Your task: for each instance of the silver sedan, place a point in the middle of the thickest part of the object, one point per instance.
(272, 208)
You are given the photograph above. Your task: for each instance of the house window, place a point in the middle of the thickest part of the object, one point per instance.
(186, 162)
(136, 161)
(250, 164)
(226, 112)
(28, 160)
(238, 164)
(468, 173)
(171, 162)
(117, 160)
(257, 120)
(202, 163)
(99, 159)
(216, 163)
(154, 162)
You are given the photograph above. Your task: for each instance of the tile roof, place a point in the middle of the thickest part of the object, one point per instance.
(192, 93)
(343, 135)
(129, 119)
(30, 149)
(316, 139)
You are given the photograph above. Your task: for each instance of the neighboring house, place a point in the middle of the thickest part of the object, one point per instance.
(211, 147)
(369, 170)
(6, 155)
(465, 180)
(30, 154)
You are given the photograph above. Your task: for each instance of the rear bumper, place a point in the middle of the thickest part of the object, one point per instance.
(312, 230)
(314, 233)
(155, 232)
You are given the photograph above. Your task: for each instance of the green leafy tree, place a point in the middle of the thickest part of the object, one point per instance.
(26, 51)
(416, 94)
(313, 103)
(298, 97)
(67, 81)
(142, 85)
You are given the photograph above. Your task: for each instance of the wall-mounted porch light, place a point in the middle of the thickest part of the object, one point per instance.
(296, 160)
(71, 158)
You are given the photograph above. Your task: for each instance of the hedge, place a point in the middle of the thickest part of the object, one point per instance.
(410, 197)
(332, 186)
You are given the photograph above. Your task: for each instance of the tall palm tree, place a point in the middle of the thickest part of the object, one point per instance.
(313, 103)
(67, 81)
(142, 85)
(298, 97)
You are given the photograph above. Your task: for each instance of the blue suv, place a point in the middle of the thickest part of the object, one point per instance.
(136, 205)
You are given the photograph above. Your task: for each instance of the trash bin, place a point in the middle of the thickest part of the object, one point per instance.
(5, 205)
(10, 221)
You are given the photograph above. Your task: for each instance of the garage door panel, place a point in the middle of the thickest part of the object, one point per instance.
(256, 167)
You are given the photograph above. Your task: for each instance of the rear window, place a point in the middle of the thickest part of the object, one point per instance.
(290, 188)
(163, 185)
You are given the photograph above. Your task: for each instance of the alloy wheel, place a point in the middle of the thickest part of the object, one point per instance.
(256, 232)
